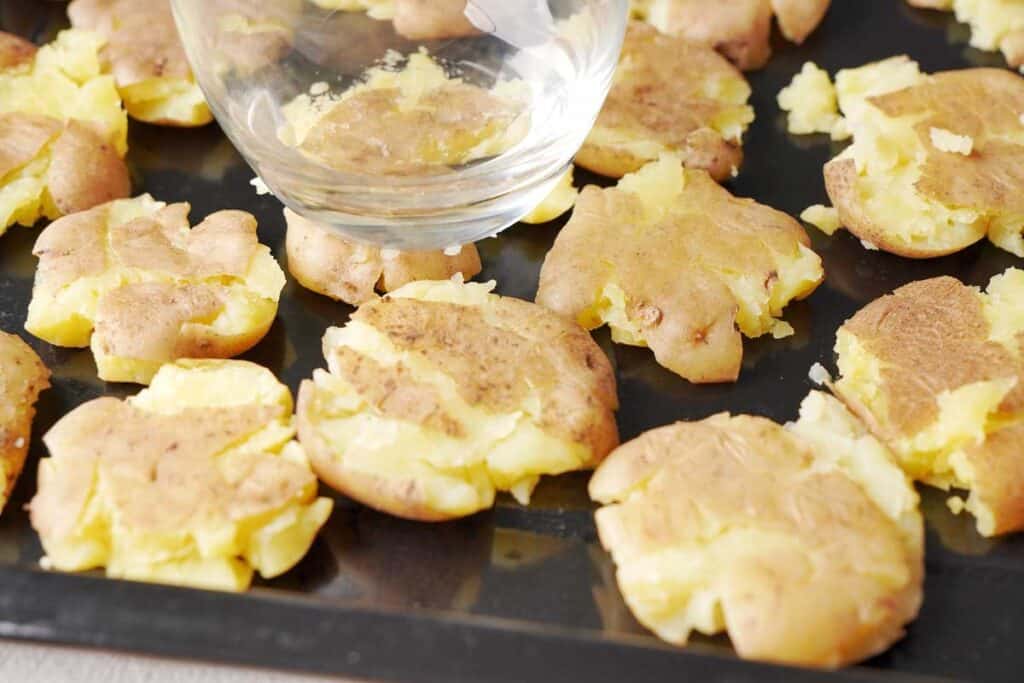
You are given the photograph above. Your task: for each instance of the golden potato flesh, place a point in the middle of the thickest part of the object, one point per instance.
(441, 394)
(805, 545)
(936, 161)
(131, 279)
(559, 202)
(415, 120)
(62, 130)
(936, 370)
(669, 95)
(325, 262)
(196, 481)
(671, 260)
(22, 377)
(995, 24)
(145, 56)
(739, 29)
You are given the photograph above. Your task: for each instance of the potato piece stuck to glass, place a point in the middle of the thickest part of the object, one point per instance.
(670, 260)
(937, 161)
(936, 370)
(739, 29)
(805, 544)
(145, 55)
(441, 394)
(326, 263)
(62, 130)
(195, 481)
(134, 282)
(670, 95)
(414, 19)
(22, 378)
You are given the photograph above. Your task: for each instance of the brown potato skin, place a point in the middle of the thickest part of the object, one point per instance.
(432, 19)
(661, 100)
(23, 137)
(740, 30)
(22, 377)
(15, 51)
(326, 263)
(85, 171)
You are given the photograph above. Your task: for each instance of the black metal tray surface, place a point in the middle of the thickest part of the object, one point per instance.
(516, 593)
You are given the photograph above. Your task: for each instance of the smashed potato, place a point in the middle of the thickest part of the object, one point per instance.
(414, 19)
(670, 260)
(936, 370)
(995, 24)
(134, 282)
(22, 377)
(669, 95)
(62, 130)
(804, 544)
(413, 121)
(935, 163)
(145, 56)
(441, 394)
(810, 101)
(325, 262)
(740, 29)
(559, 202)
(196, 481)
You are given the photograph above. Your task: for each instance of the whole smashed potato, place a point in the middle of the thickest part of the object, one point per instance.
(669, 95)
(805, 545)
(62, 130)
(145, 56)
(441, 394)
(739, 29)
(670, 260)
(194, 481)
(134, 282)
(937, 161)
(22, 377)
(936, 371)
(325, 262)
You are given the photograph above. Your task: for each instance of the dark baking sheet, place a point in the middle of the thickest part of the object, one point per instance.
(515, 593)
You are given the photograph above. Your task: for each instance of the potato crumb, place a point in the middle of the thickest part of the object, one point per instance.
(319, 88)
(870, 246)
(19, 443)
(948, 141)
(956, 504)
(819, 375)
(45, 563)
(781, 329)
(453, 250)
(810, 100)
(824, 218)
(261, 187)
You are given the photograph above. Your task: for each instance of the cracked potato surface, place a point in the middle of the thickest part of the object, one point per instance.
(22, 377)
(441, 394)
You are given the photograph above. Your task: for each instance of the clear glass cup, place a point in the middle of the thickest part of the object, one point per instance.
(412, 124)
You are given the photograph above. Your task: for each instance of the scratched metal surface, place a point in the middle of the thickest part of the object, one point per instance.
(513, 593)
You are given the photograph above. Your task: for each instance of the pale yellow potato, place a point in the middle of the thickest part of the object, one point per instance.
(442, 394)
(995, 24)
(670, 260)
(810, 102)
(134, 282)
(936, 161)
(62, 130)
(22, 378)
(558, 203)
(669, 96)
(425, 120)
(145, 56)
(805, 545)
(195, 481)
(326, 263)
(739, 29)
(936, 370)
